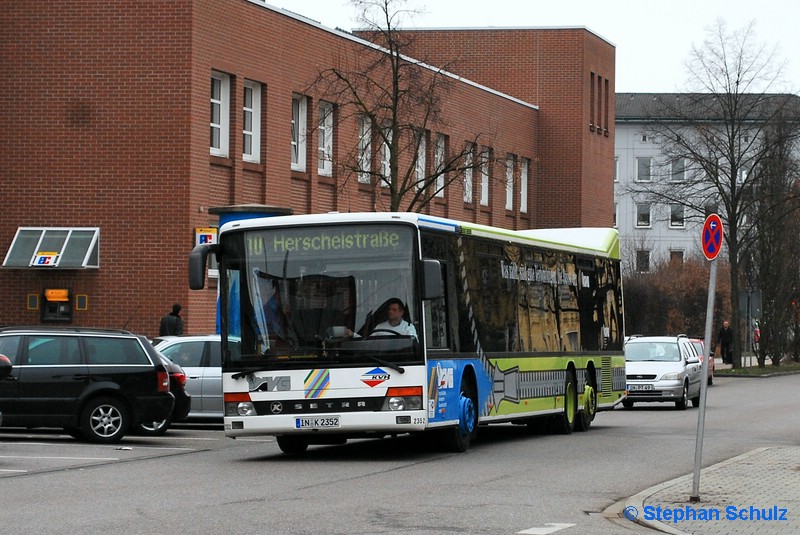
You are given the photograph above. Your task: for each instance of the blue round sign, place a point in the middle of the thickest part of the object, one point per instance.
(712, 236)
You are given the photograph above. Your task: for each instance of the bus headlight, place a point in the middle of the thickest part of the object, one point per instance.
(240, 408)
(397, 404)
(406, 398)
(239, 404)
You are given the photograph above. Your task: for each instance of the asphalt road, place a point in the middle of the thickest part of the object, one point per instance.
(195, 480)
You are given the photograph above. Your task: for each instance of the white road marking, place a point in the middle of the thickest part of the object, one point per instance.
(59, 458)
(547, 529)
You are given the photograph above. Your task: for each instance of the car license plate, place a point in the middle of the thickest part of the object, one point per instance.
(639, 387)
(316, 423)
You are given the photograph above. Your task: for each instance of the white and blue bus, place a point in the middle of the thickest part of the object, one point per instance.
(500, 326)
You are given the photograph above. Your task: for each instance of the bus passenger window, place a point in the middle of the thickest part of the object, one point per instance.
(436, 320)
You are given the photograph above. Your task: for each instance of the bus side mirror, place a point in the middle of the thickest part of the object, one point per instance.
(198, 259)
(432, 287)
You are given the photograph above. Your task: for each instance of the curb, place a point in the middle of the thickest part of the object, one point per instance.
(760, 376)
(617, 510)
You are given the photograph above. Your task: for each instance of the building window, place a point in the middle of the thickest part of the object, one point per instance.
(643, 215)
(676, 256)
(643, 261)
(523, 185)
(591, 102)
(251, 123)
(676, 215)
(743, 173)
(605, 110)
(616, 208)
(299, 104)
(678, 170)
(468, 175)
(599, 104)
(616, 168)
(364, 149)
(510, 182)
(420, 170)
(438, 163)
(220, 113)
(386, 157)
(325, 139)
(644, 168)
(484, 167)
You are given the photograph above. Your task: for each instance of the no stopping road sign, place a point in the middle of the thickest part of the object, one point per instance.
(712, 236)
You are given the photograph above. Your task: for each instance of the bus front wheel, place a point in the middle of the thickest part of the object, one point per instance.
(458, 438)
(292, 445)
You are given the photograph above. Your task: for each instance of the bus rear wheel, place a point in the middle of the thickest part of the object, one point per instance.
(587, 414)
(565, 422)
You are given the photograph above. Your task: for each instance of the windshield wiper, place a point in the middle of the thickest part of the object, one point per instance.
(386, 363)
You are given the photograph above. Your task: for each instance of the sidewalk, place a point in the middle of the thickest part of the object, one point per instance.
(755, 493)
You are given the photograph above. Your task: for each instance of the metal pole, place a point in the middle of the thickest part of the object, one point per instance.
(747, 347)
(701, 418)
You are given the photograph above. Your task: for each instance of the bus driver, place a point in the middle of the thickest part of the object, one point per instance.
(395, 310)
(394, 320)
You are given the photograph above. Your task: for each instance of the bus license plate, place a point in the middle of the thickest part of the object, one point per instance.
(316, 423)
(640, 387)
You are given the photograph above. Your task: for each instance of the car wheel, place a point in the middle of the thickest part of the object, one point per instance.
(681, 403)
(627, 403)
(696, 401)
(154, 429)
(292, 445)
(711, 379)
(104, 420)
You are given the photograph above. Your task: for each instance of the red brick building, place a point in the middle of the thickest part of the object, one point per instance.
(569, 74)
(125, 122)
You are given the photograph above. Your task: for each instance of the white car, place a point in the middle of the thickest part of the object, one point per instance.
(200, 356)
(662, 368)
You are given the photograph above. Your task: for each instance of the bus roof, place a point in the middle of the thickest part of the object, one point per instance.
(587, 240)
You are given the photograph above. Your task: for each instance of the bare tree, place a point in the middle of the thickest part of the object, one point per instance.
(671, 298)
(397, 101)
(716, 140)
(773, 259)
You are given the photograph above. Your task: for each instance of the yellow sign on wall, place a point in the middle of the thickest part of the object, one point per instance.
(203, 235)
(56, 294)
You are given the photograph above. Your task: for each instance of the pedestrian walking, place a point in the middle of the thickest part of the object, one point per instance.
(172, 323)
(725, 341)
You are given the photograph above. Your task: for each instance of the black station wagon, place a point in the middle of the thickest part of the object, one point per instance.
(95, 383)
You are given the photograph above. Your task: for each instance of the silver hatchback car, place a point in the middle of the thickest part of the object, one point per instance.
(200, 356)
(662, 368)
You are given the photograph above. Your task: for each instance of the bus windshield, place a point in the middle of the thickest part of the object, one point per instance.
(318, 296)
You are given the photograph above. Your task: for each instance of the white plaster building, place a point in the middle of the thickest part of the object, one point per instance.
(649, 232)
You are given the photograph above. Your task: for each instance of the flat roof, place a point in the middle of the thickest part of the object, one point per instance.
(346, 35)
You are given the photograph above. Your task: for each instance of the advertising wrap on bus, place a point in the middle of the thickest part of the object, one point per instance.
(374, 324)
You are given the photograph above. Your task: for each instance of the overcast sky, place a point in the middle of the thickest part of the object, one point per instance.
(652, 39)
